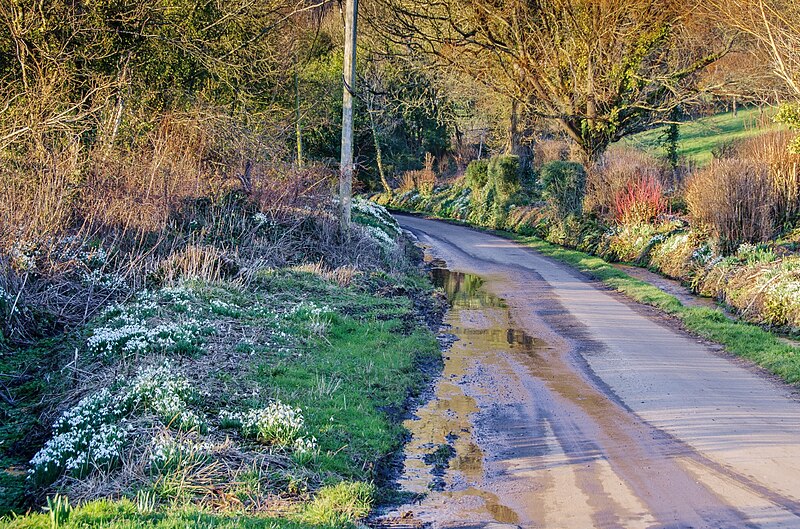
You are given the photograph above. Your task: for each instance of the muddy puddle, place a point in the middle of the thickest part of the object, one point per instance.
(445, 458)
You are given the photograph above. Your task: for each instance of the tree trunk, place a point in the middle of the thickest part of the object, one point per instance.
(513, 129)
(378, 152)
(346, 165)
(298, 126)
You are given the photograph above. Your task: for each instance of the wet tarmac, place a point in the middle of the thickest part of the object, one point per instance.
(561, 406)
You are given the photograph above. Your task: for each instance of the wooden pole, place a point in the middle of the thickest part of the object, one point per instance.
(346, 166)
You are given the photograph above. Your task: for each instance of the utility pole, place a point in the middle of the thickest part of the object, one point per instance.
(349, 77)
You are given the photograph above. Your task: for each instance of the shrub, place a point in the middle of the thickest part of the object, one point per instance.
(476, 175)
(790, 115)
(641, 202)
(503, 174)
(487, 209)
(615, 173)
(773, 149)
(734, 199)
(564, 184)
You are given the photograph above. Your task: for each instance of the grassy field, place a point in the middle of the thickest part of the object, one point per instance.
(700, 137)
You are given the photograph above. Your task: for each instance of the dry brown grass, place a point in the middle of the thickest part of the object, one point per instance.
(423, 180)
(180, 202)
(342, 275)
(772, 149)
(735, 199)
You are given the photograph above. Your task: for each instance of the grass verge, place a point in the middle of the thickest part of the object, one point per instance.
(342, 349)
(742, 339)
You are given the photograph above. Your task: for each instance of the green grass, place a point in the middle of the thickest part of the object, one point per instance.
(124, 514)
(698, 138)
(350, 367)
(340, 504)
(25, 386)
(742, 339)
(353, 384)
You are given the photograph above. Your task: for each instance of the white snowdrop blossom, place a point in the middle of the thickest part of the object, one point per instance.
(262, 219)
(310, 309)
(379, 225)
(86, 436)
(703, 255)
(98, 277)
(167, 451)
(172, 294)
(93, 432)
(164, 393)
(305, 449)
(380, 213)
(278, 424)
(317, 317)
(137, 338)
(94, 258)
(380, 236)
(223, 308)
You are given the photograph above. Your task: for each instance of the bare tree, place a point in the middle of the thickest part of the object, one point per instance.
(775, 27)
(601, 70)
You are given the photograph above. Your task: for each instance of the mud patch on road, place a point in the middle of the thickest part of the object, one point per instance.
(445, 458)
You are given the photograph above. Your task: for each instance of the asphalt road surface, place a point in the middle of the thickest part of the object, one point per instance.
(571, 407)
